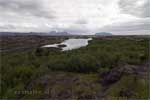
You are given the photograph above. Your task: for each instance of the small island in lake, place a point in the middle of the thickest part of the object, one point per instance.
(61, 45)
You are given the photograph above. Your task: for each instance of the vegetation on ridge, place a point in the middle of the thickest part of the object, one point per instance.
(109, 67)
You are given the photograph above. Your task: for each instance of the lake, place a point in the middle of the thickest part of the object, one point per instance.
(70, 44)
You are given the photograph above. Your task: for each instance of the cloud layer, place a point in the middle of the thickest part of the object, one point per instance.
(141, 26)
(76, 16)
(24, 7)
(139, 8)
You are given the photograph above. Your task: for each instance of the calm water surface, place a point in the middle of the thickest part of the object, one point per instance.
(71, 44)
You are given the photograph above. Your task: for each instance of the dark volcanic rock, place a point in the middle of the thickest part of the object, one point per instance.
(44, 80)
(126, 93)
(111, 77)
(64, 95)
(115, 74)
(86, 97)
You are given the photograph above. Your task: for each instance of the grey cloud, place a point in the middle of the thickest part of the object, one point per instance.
(81, 21)
(73, 29)
(14, 13)
(139, 8)
(17, 27)
(76, 31)
(133, 26)
(25, 7)
(7, 27)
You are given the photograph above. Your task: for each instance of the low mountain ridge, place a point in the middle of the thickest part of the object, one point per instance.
(52, 33)
(103, 34)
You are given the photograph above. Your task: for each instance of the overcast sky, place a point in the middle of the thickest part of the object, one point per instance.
(76, 16)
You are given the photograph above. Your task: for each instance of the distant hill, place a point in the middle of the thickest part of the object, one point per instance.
(52, 33)
(58, 33)
(103, 34)
(15, 34)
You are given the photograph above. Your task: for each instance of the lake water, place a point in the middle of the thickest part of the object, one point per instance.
(71, 44)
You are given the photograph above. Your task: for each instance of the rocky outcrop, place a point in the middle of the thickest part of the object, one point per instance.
(111, 77)
(114, 75)
(126, 93)
(107, 79)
